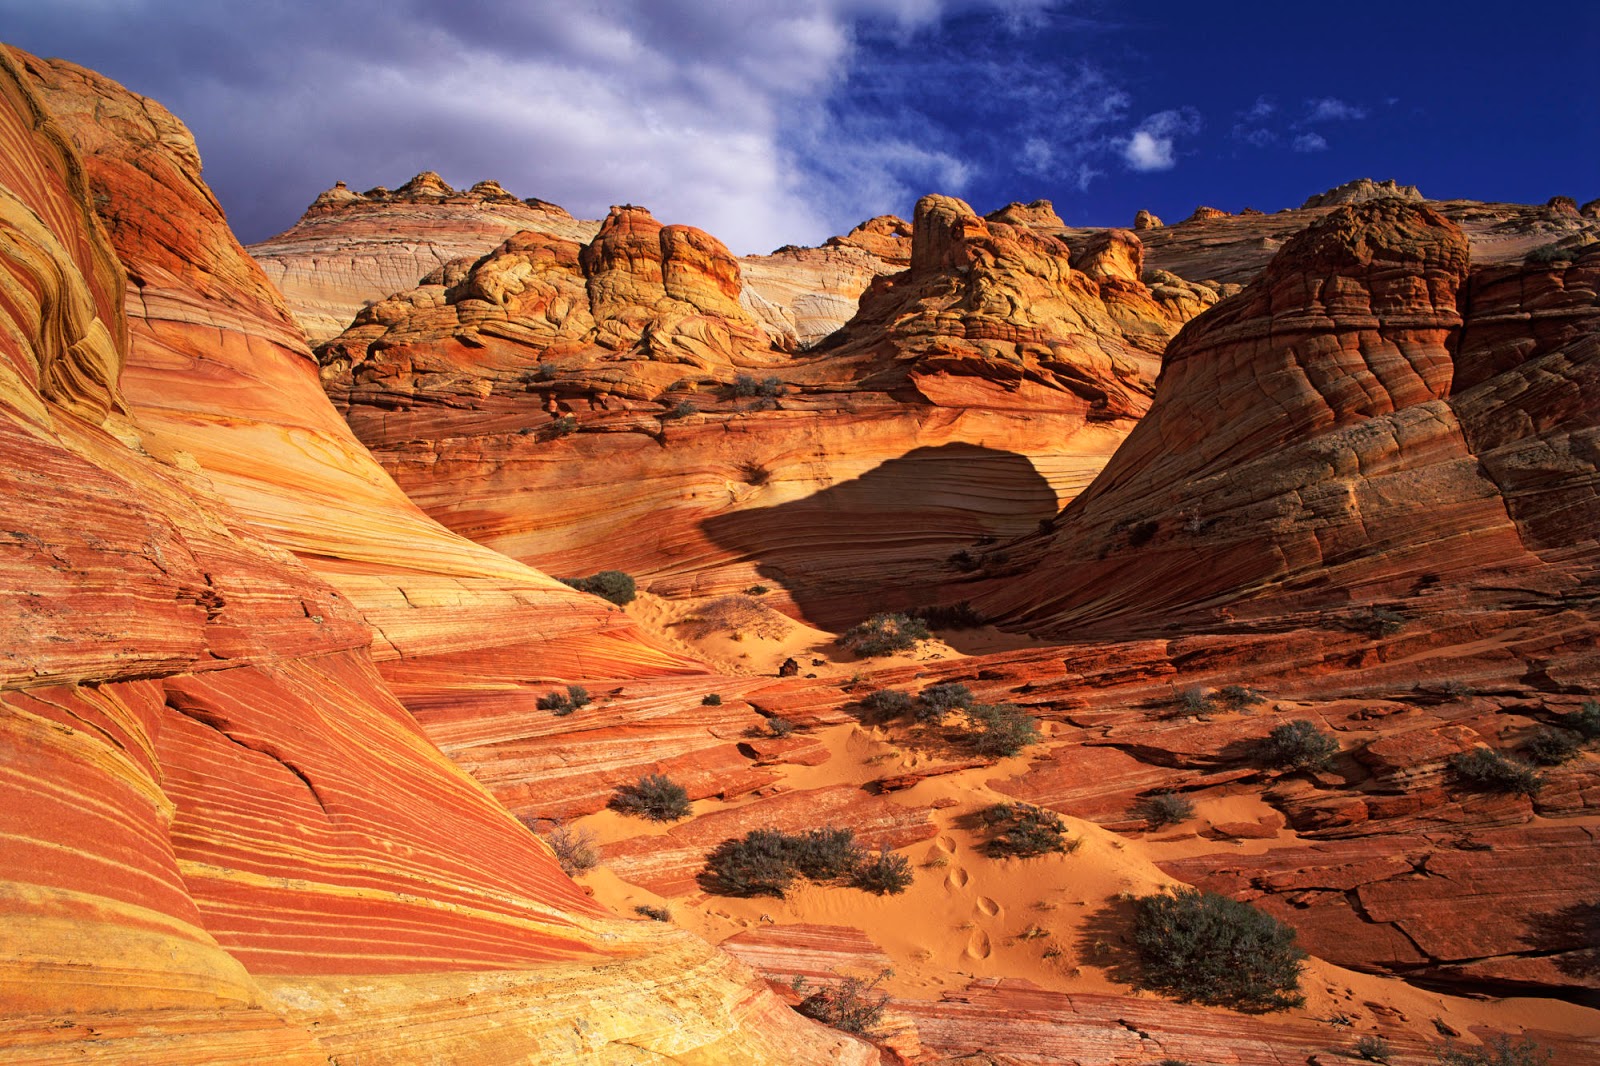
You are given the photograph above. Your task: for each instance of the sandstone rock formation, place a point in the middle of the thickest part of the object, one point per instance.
(1360, 191)
(234, 843)
(1145, 220)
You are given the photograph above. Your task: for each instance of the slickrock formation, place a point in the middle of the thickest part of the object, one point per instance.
(506, 397)
(1145, 220)
(1360, 191)
(1338, 433)
(352, 248)
(232, 843)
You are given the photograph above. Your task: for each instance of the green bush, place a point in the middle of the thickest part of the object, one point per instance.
(613, 585)
(1297, 745)
(884, 634)
(756, 864)
(1209, 948)
(1163, 809)
(1237, 697)
(1552, 747)
(1499, 1051)
(825, 853)
(888, 703)
(1022, 830)
(1486, 770)
(562, 704)
(884, 874)
(938, 700)
(655, 796)
(1002, 729)
(849, 1006)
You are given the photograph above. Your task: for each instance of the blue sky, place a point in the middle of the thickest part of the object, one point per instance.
(769, 122)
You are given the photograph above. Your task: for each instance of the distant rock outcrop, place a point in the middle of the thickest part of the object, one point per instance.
(1360, 191)
(1145, 220)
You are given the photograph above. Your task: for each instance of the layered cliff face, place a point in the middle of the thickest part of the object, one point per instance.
(998, 366)
(232, 843)
(1324, 438)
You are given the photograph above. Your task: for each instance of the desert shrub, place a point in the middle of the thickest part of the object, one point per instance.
(888, 703)
(850, 1005)
(949, 615)
(1585, 720)
(1193, 700)
(757, 590)
(1552, 747)
(1557, 253)
(683, 409)
(613, 585)
(1002, 729)
(654, 913)
(1499, 1051)
(1373, 1048)
(1238, 697)
(936, 700)
(654, 796)
(1023, 830)
(768, 387)
(1297, 745)
(884, 634)
(1487, 770)
(1377, 622)
(1163, 809)
(562, 704)
(576, 848)
(756, 864)
(824, 853)
(711, 699)
(562, 425)
(780, 727)
(885, 874)
(1212, 949)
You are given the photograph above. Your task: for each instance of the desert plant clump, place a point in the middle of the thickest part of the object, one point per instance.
(1238, 697)
(1163, 809)
(757, 590)
(682, 409)
(885, 874)
(1003, 730)
(711, 699)
(825, 853)
(885, 634)
(781, 728)
(562, 704)
(1487, 770)
(1373, 1048)
(654, 913)
(888, 703)
(1212, 949)
(1193, 700)
(1552, 747)
(770, 388)
(1297, 745)
(1377, 622)
(654, 796)
(562, 425)
(613, 585)
(850, 1006)
(1585, 721)
(1498, 1051)
(1021, 830)
(937, 700)
(756, 864)
(949, 616)
(576, 848)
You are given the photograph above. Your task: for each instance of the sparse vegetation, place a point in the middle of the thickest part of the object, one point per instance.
(1498, 1051)
(654, 913)
(744, 385)
(1297, 745)
(850, 1005)
(740, 615)
(1163, 809)
(655, 796)
(885, 874)
(757, 590)
(1585, 721)
(562, 704)
(1238, 697)
(756, 864)
(1558, 252)
(885, 634)
(1373, 1048)
(938, 700)
(1002, 729)
(1021, 830)
(576, 848)
(562, 425)
(1193, 700)
(1552, 747)
(949, 616)
(711, 699)
(780, 727)
(613, 585)
(888, 703)
(682, 409)
(1209, 948)
(1487, 770)
(753, 473)
(1377, 622)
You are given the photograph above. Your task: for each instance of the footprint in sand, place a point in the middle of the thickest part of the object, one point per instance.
(958, 878)
(946, 843)
(987, 906)
(978, 944)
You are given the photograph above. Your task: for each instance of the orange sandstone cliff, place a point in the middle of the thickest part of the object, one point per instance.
(230, 841)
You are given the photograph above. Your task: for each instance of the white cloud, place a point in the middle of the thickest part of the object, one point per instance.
(1263, 107)
(1332, 109)
(1152, 145)
(1310, 142)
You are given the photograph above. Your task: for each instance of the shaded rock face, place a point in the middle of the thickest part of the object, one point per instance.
(1323, 435)
(232, 843)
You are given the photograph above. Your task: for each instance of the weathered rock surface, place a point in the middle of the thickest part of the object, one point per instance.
(233, 843)
(1360, 191)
